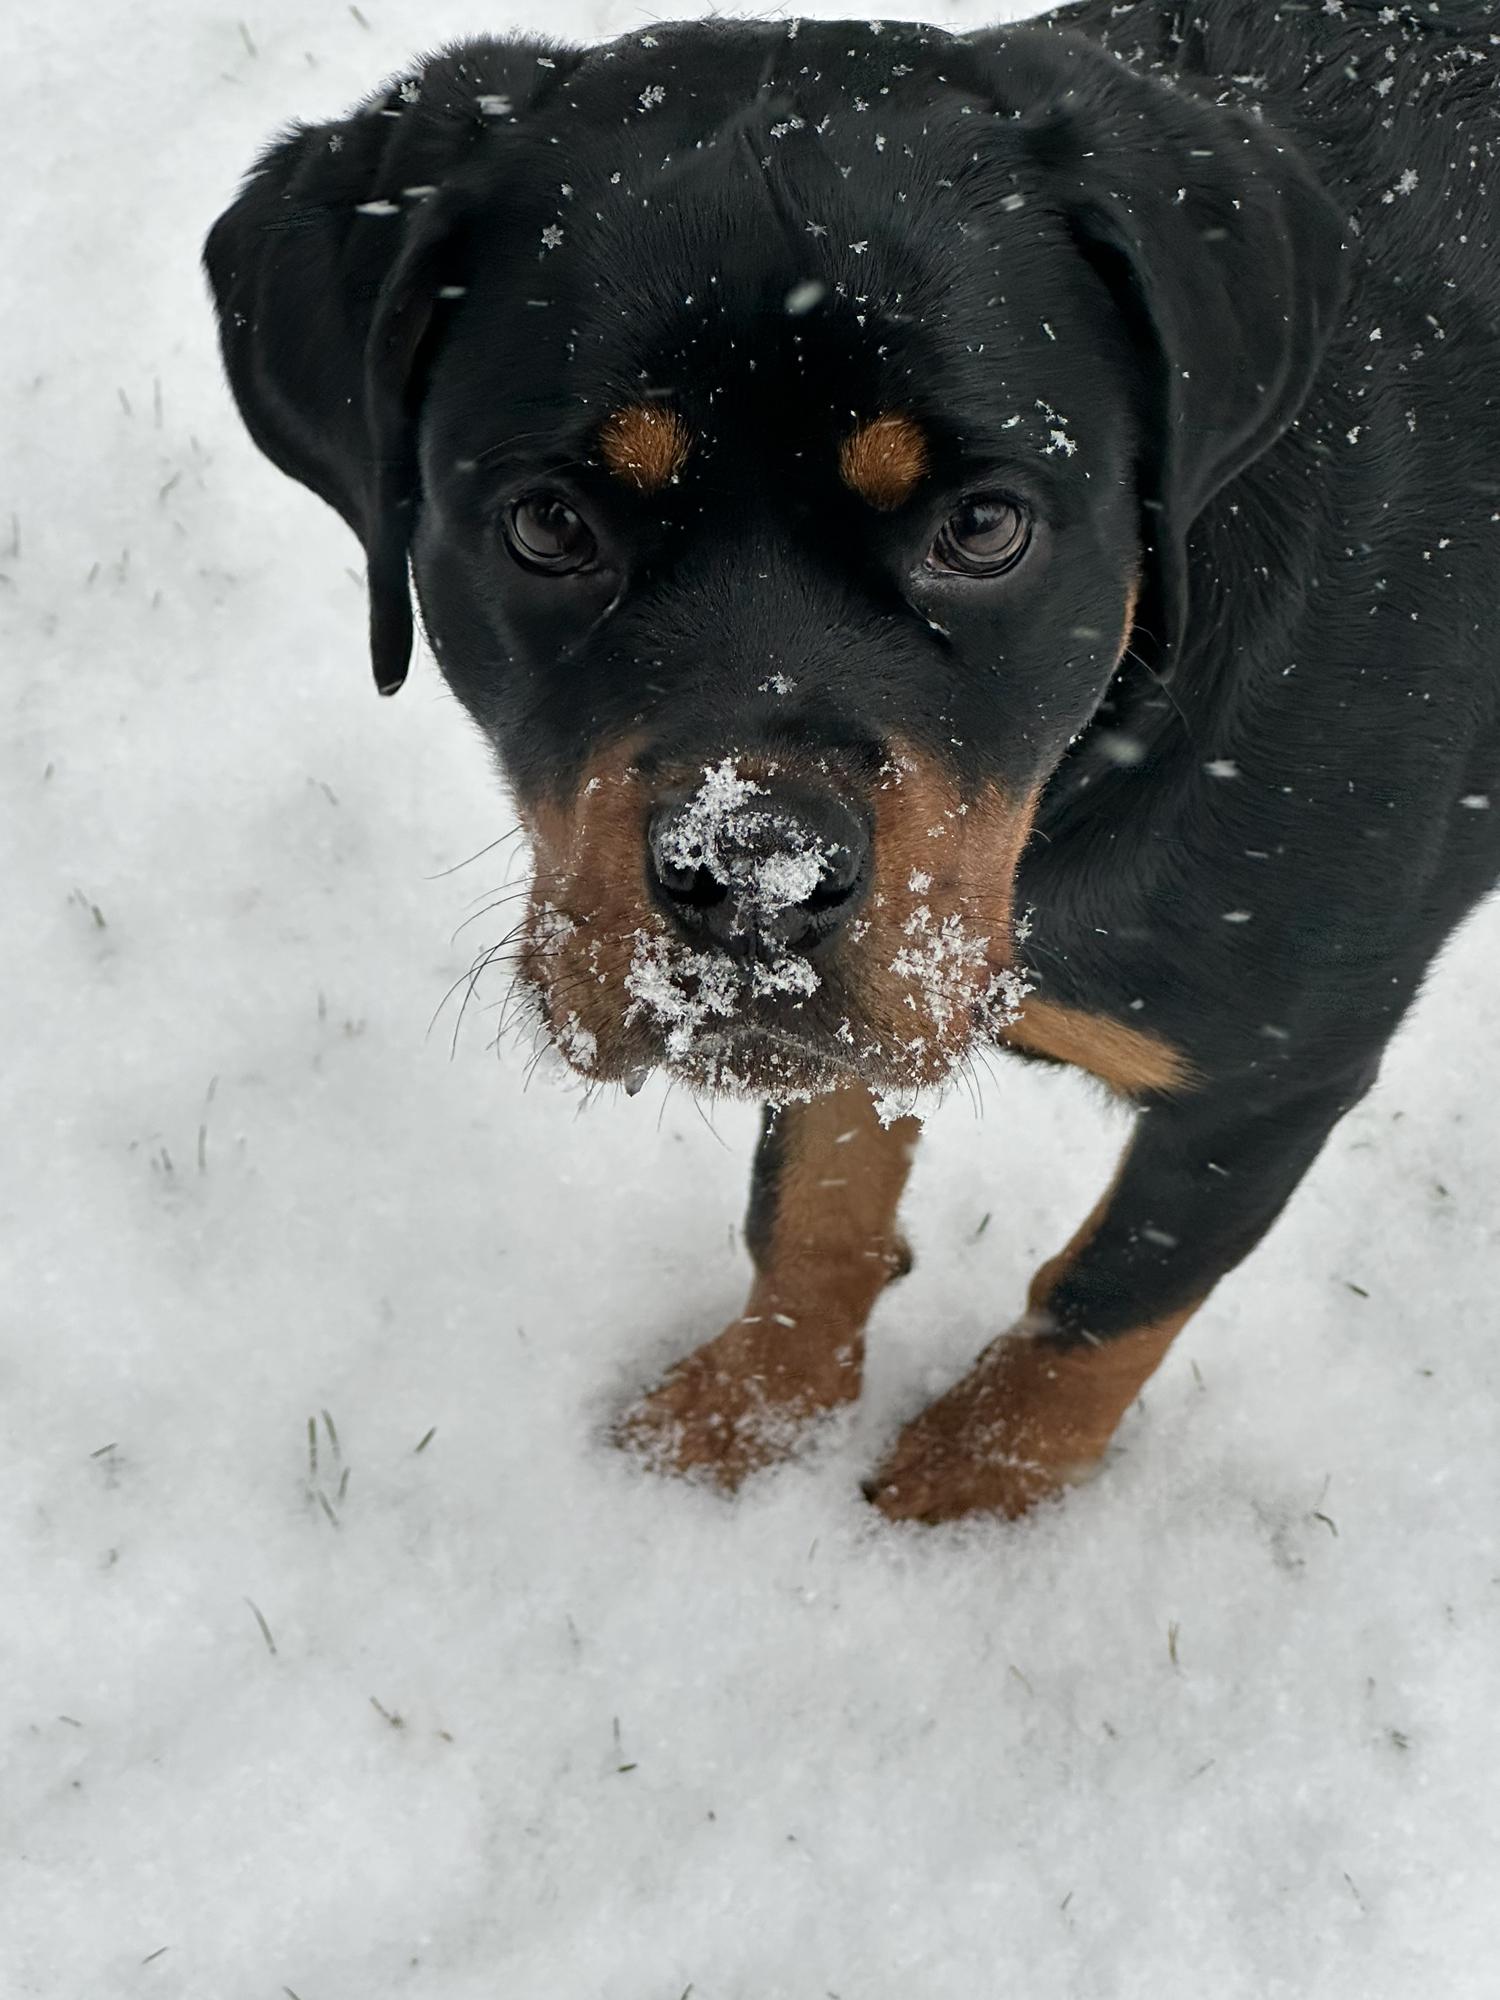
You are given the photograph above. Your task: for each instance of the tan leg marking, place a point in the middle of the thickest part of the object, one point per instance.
(1025, 1421)
(1029, 1418)
(746, 1399)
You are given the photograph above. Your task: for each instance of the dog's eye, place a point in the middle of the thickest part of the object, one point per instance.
(544, 533)
(987, 536)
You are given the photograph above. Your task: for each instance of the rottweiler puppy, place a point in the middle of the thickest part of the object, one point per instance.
(954, 540)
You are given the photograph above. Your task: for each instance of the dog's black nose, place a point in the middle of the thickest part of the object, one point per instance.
(750, 865)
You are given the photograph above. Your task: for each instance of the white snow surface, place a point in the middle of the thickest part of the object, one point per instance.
(538, 1725)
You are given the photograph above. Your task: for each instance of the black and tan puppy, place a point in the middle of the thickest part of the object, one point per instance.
(989, 537)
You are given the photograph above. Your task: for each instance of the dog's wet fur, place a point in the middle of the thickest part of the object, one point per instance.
(954, 541)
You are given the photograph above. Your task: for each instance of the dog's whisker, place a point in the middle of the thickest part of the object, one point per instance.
(447, 996)
(542, 1052)
(499, 903)
(470, 979)
(443, 873)
(1165, 687)
(705, 1114)
(666, 1099)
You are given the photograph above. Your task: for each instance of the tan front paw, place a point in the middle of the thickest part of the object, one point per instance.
(744, 1401)
(1006, 1436)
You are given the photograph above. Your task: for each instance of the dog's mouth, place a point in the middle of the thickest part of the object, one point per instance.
(755, 1060)
(773, 1024)
(779, 1025)
(769, 999)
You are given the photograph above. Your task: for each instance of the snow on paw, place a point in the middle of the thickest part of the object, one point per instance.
(928, 1478)
(999, 1441)
(751, 1398)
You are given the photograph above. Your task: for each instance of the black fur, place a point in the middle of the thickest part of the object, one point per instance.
(1218, 293)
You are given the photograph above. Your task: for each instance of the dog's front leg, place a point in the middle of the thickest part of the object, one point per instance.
(1200, 1183)
(822, 1233)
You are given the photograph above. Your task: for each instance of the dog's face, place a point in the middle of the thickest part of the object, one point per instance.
(779, 529)
(788, 457)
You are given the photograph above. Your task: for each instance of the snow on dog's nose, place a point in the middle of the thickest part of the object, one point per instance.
(740, 862)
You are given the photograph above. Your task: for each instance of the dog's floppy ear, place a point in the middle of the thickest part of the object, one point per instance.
(328, 272)
(1222, 248)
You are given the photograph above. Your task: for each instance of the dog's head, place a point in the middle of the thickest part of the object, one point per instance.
(787, 429)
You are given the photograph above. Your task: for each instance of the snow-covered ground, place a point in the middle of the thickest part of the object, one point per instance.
(473, 1708)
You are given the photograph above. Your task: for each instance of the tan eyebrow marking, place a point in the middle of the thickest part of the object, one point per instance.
(883, 460)
(646, 445)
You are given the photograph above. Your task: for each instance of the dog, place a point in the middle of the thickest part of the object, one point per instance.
(956, 541)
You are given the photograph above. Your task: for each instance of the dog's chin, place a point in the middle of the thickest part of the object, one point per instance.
(756, 1060)
(778, 1060)
(762, 1061)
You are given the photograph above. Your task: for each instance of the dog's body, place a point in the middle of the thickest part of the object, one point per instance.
(887, 496)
